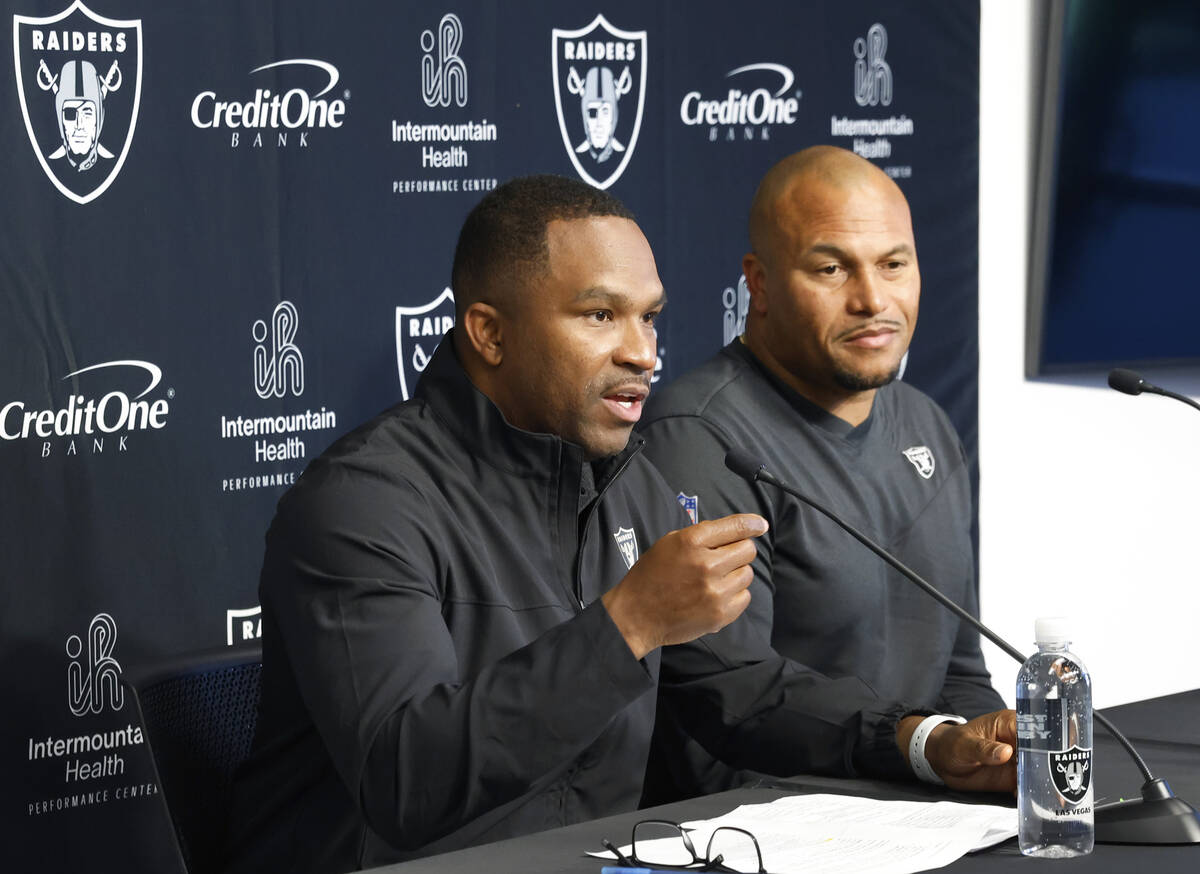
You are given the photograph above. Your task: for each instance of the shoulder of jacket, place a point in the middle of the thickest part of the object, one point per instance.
(698, 391)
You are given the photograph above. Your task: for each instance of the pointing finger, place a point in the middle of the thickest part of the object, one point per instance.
(728, 529)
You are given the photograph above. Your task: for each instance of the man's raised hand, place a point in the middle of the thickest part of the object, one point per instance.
(691, 582)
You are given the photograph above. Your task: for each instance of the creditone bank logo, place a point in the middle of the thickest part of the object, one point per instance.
(93, 674)
(113, 414)
(599, 78)
(744, 105)
(295, 107)
(79, 79)
(419, 330)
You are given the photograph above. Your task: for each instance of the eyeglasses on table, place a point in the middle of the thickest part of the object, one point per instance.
(660, 843)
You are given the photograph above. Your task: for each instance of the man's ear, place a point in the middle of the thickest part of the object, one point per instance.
(755, 272)
(482, 325)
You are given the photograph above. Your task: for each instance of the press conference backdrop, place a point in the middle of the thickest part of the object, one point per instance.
(228, 230)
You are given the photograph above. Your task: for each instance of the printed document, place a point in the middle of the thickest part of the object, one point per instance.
(840, 833)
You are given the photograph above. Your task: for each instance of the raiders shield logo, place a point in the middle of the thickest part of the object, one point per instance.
(419, 330)
(599, 91)
(922, 460)
(1071, 771)
(79, 78)
(627, 543)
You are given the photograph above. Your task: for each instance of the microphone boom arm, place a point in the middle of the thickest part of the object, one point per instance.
(764, 476)
(1158, 817)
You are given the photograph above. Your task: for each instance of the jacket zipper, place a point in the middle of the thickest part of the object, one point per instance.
(587, 524)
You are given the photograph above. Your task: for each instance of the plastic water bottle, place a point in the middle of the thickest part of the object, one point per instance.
(1054, 748)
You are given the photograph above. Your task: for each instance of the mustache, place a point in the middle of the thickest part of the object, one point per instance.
(642, 379)
(869, 326)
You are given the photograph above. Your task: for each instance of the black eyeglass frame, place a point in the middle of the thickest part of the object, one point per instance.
(698, 863)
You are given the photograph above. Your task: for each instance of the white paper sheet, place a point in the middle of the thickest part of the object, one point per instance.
(839, 833)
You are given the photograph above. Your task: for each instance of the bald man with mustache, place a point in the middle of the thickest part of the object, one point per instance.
(871, 677)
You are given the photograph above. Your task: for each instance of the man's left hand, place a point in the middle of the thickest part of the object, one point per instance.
(980, 756)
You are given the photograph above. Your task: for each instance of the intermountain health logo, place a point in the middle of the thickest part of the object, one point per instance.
(443, 73)
(79, 80)
(90, 761)
(278, 363)
(436, 148)
(277, 372)
(872, 74)
(599, 92)
(419, 330)
(93, 674)
(873, 138)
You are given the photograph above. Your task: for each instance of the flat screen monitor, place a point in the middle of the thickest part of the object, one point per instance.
(1115, 254)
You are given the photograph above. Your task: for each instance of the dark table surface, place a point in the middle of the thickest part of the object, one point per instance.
(1166, 731)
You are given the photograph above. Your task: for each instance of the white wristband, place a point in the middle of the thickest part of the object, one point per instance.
(916, 747)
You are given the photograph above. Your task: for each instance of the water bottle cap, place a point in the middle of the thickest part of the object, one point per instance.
(1052, 630)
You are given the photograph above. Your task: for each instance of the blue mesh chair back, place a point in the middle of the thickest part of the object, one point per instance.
(199, 713)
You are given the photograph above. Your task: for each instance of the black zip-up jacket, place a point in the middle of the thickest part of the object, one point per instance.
(437, 668)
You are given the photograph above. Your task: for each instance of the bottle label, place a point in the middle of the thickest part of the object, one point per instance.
(1071, 771)
(1040, 724)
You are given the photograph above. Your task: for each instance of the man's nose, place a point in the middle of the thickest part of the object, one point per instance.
(639, 346)
(867, 295)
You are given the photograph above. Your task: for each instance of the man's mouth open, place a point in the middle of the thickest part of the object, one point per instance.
(626, 404)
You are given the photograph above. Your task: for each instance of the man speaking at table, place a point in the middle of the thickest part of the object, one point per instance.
(464, 600)
(810, 390)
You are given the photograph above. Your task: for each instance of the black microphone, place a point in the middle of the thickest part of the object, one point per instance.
(1127, 381)
(1159, 817)
(1132, 383)
(744, 464)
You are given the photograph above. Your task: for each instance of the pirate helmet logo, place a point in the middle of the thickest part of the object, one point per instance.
(599, 69)
(627, 543)
(922, 459)
(1071, 771)
(79, 108)
(72, 108)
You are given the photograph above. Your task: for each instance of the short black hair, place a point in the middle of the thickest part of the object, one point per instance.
(504, 237)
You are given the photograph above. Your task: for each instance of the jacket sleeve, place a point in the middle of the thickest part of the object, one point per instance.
(745, 703)
(423, 749)
(967, 690)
